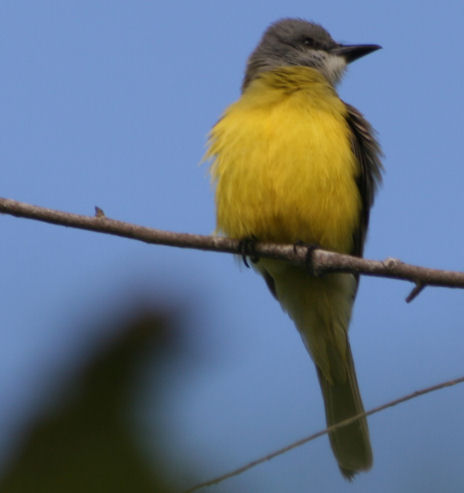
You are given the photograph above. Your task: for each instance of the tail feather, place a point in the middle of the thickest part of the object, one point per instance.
(350, 443)
(321, 309)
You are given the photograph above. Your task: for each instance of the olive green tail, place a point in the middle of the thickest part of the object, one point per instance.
(350, 443)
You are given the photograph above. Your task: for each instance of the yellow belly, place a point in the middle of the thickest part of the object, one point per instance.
(283, 164)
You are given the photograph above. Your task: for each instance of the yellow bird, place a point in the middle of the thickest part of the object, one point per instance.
(294, 163)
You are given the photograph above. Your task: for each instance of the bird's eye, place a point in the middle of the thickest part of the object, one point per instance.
(307, 41)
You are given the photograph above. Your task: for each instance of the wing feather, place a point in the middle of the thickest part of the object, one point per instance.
(367, 151)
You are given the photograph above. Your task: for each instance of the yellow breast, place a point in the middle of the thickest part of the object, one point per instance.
(283, 164)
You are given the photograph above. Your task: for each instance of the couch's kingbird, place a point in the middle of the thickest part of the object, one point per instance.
(294, 163)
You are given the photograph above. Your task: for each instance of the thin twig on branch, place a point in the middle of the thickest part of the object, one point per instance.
(322, 261)
(299, 443)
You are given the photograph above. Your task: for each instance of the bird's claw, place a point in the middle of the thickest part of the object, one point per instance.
(247, 249)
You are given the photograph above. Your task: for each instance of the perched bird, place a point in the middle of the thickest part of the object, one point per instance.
(294, 163)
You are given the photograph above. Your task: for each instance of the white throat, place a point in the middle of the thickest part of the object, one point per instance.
(334, 68)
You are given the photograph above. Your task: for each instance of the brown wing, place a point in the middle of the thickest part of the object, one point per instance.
(368, 153)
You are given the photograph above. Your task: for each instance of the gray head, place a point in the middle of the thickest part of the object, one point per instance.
(298, 42)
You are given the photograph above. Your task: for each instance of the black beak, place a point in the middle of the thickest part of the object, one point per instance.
(353, 52)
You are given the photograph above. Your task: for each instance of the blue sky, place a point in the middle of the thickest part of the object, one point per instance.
(109, 104)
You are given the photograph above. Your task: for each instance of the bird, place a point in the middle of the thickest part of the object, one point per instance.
(291, 162)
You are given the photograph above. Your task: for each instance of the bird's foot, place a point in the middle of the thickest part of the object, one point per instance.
(310, 247)
(247, 249)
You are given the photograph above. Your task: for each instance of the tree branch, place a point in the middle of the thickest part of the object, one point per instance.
(299, 443)
(322, 261)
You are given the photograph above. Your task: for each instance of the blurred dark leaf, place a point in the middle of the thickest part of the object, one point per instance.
(86, 443)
